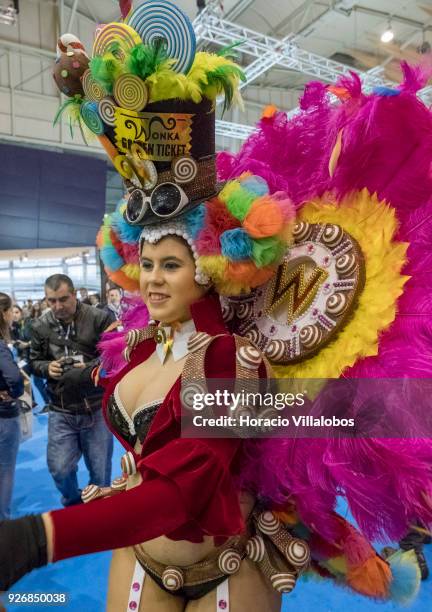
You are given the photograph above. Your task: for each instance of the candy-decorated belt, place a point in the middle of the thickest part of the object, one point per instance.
(280, 557)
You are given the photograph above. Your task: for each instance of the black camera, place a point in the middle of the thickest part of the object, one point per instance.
(68, 363)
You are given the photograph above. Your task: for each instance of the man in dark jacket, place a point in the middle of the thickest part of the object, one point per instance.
(63, 350)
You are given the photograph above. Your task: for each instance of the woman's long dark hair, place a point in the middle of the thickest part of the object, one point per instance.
(5, 304)
(36, 311)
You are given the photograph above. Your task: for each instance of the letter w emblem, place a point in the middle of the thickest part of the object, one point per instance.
(294, 288)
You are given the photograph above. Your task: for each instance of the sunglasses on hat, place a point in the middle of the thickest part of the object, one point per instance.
(166, 200)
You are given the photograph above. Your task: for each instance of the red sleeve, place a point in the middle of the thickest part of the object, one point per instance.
(185, 483)
(187, 490)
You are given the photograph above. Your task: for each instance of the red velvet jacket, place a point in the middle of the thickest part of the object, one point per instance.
(187, 489)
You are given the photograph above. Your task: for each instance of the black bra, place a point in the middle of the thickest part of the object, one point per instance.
(134, 427)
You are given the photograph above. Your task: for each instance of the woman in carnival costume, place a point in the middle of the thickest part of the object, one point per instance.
(230, 524)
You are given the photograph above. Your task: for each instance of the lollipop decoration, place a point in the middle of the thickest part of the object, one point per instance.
(130, 92)
(106, 109)
(92, 89)
(90, 116)
(115, 37)
(158, 19)
(148, 58)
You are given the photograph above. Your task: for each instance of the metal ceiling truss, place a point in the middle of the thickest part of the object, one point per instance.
(286, 53)
(269, 51)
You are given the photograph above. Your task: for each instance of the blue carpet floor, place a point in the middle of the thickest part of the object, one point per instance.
(84, 579)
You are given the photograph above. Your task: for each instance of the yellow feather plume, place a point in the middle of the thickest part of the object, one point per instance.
(165, 84)
(131, 271)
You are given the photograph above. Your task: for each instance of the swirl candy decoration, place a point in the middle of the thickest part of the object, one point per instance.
(229, 561)
(283, 582)
(297, 552)
(301, 231)
(114, 33)
(268, 523)
(189, 392)
(198, 341)
(249, 357)
(172, 578)
(310, 336)
(90, 492)
(90, 116)
(92, 89)
(106, 109)
(156, 19)
(128, 464)
(255, 548)
(184, 169)
(130, 92)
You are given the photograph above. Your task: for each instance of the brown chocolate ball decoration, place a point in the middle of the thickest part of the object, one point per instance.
(68, 70)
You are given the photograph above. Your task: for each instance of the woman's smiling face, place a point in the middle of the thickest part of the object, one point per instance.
(167, 280)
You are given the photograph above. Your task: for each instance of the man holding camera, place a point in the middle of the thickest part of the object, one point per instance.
(63, 350)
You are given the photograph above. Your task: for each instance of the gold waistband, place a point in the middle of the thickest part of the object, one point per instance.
(222, 561)
(280, 557)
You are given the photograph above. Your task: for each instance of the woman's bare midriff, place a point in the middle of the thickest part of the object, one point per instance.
(182, 552)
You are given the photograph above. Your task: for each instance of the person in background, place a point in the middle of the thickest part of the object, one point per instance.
(20, 336)
(63, 350)
(19, 332)
(35, 310)
(84, 296)
(17, 321)
(95, 300)
(11, 387)
(38, 381)
(44, 306)
(113, 307)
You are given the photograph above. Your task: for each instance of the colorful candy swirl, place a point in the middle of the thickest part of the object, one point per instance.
(90, 116)
(92, 89)
(130, 92)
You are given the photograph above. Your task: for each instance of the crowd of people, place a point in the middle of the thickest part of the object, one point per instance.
(54, 342)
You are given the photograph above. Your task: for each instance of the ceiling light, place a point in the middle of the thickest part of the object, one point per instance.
(388, 34)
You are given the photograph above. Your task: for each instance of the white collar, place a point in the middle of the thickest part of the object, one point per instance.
(179, 348)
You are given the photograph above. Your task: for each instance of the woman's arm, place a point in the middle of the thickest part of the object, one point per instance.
(10, 372)
(191, 487)
(133, 516)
